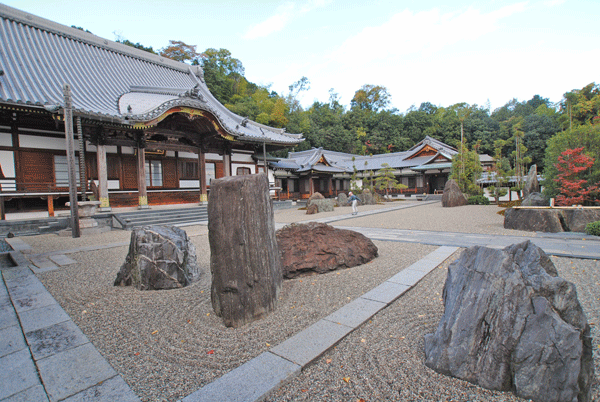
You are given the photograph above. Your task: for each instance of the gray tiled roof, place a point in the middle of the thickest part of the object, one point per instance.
(306, 160)
(108, 80)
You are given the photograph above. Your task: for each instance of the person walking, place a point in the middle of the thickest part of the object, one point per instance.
(354, 200)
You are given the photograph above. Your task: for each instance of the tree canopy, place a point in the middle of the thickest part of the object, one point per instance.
(527, 129)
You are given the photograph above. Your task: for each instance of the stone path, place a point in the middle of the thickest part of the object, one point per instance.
(44, 356)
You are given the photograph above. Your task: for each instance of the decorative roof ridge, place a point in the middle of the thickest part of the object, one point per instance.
(44, 24)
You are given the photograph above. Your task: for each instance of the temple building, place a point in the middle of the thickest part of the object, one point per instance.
(424, 168)
(146, 128)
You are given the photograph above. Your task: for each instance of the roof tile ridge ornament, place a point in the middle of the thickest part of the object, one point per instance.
(194, 93)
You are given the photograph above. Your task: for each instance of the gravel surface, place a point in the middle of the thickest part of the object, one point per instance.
(167, 344)
(383, 359)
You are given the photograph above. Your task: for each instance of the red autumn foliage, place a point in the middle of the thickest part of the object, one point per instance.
(573, 189)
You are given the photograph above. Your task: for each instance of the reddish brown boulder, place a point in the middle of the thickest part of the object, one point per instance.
(453, 197)
(319, 248)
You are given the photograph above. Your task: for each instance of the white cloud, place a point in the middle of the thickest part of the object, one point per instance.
(283, 15)
(416, 55)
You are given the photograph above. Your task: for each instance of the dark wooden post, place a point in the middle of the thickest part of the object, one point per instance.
(141, 178)
(244, 256)
(202, 176)
(76, 232)
(82, 178)
(227, 163)
(102, 177)
(50, 206)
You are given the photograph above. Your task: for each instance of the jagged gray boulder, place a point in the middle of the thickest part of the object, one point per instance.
(160, 257)
(323, 205)
(367, 198)
(342, 199)
(452, 196)
(510, 323)
(535, 200)
(531, 183)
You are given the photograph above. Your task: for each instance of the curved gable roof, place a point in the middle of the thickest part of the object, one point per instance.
(108, 80)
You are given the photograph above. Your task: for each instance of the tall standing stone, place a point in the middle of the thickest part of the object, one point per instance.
(244, 258)
(452, 196)
(531, 184)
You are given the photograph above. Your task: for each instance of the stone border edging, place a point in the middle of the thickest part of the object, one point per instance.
(257, 378)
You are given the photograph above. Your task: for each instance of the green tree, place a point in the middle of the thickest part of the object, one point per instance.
(581, 106)
(371, 97)
(385, 179)
(466, 169)
(179, 51)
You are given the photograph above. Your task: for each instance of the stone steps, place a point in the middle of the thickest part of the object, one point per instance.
(173, 217)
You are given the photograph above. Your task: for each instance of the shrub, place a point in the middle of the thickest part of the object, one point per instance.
(478, 200)
(593, 228)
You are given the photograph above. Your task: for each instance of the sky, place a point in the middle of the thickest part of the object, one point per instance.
(483, 52)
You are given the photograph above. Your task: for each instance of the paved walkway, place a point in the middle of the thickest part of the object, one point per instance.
(44, 356)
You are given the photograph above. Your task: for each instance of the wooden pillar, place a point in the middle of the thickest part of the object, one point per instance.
(2, 211)
(311, 185)
(141, 171)
(14, 131)
(102, 178)
(227, 163)
(75, 230)
(330, 185)
(50, 206)
(202, 176)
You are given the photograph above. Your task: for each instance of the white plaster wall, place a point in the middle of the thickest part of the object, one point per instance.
(31, 141)
(214, 157)
(189, 183)
(110, 149)
(112, 184)
(127, 150)
(6, 139)
(171, 154)
(7, 161)
(242, 158)
(188, 155)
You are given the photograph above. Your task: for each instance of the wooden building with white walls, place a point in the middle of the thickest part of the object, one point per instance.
(147, 129)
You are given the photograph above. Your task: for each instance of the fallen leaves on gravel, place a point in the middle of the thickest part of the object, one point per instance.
(210, 352)
(154, 332)
(346, 379)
